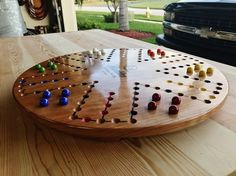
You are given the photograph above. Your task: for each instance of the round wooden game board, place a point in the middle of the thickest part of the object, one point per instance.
(110, 93)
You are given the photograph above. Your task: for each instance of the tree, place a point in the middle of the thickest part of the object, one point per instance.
(123, 15)
(79, 2)
(113, 6)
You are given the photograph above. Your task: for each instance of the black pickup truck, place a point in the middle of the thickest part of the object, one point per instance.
(202, 27)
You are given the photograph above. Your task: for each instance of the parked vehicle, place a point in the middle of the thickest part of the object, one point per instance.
(203, 27)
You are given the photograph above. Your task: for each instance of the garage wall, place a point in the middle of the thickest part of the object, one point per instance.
(69, 15)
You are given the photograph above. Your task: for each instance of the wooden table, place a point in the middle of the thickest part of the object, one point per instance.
(27, 148)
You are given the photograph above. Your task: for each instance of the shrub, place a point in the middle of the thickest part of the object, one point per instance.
(108, 18)
(85, 24)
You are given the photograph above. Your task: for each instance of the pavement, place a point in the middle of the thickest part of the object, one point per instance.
(105, 9)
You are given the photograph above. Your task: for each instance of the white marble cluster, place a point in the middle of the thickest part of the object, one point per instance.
(96, 52)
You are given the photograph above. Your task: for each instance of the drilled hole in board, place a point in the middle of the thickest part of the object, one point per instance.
(82, 102)
(99, 121)
(219, 88)
(193, 97)
(133, 113)
(180, 94)
(133, 120)
(108, 105)
(168, 91)
(207, 101)
(86, 96)
(212, 97)
(78, 108)
(115, 120)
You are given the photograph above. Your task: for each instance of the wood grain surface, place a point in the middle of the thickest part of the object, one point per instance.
(125, 79)
(27, 148)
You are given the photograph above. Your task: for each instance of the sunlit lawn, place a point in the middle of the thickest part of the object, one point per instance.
(97, 18)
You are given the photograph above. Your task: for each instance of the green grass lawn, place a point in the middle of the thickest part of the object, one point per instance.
(157, 4)
(152, 17)
(91, 15)
(88, 20)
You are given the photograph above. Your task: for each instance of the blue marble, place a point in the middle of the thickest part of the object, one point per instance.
(47, 94)
(43, 102)
(65, 93)
(63, 101)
